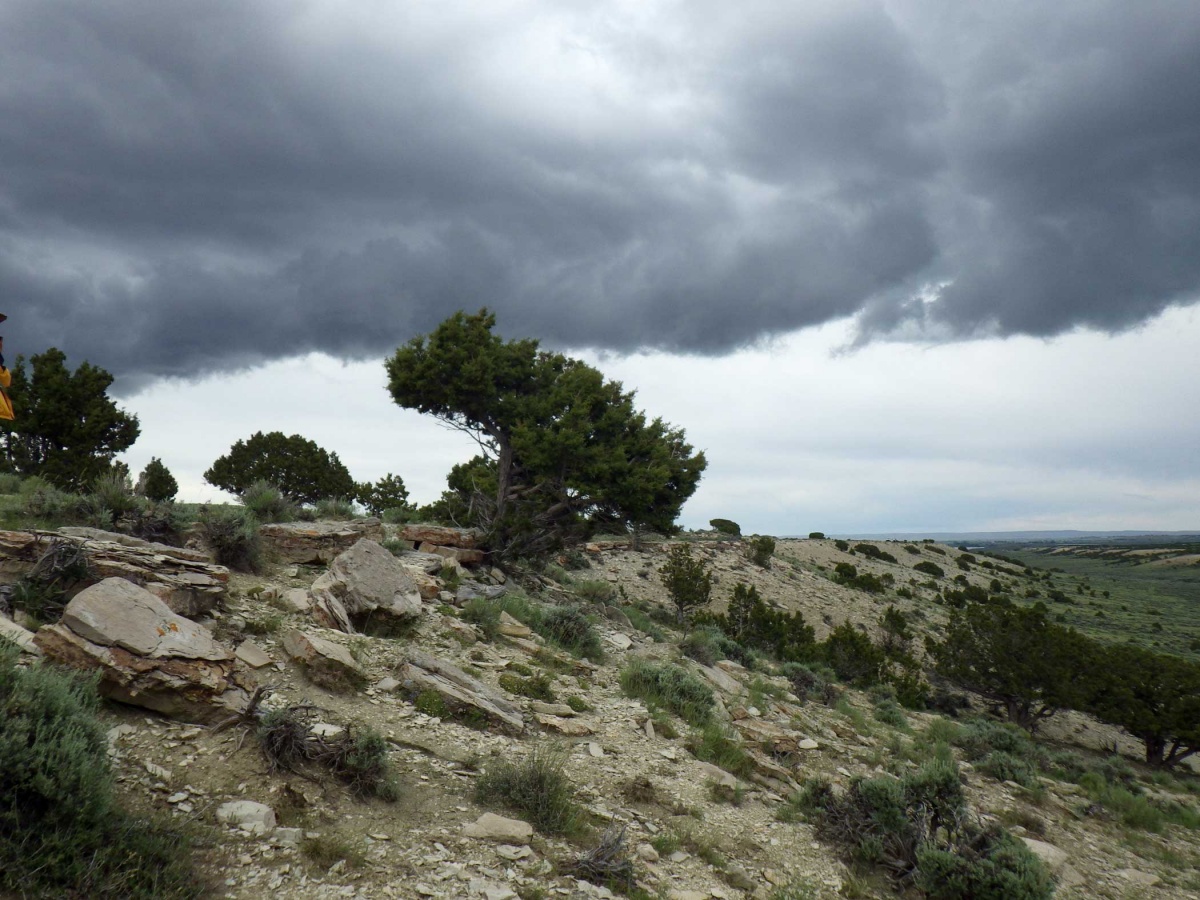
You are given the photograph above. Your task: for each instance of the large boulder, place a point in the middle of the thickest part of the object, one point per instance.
(365, 583)
(316, 542)
(146, 654)
(326, 663)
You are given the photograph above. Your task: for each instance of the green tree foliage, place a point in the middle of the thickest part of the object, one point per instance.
(388, 492)
(1013, 656)
(930, 568)
(816, 535)
(296, 465)
(726, 526)
(1153, 696)
(751, 622)
(566, 450)
(66, 430)
(687, 579)
(156, 483)
(760, 550)
(854, 656)
(897, 637)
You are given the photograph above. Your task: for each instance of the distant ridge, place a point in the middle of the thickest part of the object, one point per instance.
(1069, 536)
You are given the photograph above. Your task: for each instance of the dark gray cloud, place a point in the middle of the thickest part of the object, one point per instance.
(187, 187)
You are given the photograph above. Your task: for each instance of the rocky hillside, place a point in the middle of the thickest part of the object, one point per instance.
(462, 670)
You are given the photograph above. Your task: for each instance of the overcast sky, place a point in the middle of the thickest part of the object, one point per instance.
(893, 264)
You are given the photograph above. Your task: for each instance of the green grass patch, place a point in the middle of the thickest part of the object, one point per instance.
(670, 687)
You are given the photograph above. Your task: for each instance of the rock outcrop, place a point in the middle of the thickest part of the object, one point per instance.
(326, 663)
(146, 654)
(458, 690)
(440, 536)
(316, 542)
(365, 583)
(183, 579)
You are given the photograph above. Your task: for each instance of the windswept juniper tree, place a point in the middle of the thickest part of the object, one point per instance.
(563, 451)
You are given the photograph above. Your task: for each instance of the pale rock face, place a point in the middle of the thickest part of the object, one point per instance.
(363, 581)
(316, 542)
(440, 536)
(491, 827)
(326, 663)
(256, 818)
(146, 654)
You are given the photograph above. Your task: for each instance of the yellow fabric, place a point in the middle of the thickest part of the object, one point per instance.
(6, 410)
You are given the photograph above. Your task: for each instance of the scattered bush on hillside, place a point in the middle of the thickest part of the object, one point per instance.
(726, 526)
(570, 628)
(752, 623)
(759, 551)
(61, 830)
(608, 863)
(718, 744)
(930, 568)
(816, 535)
(686, 579)
(302, 470)
(841, 545)
(670, 687)
(232, 535)
(848, 575)
(41, 593)
(853, 656)
(918, 828)
(870, 551)
(708, 644)
(335, 508)
(536, 787)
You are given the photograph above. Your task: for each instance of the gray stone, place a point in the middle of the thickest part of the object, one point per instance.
(19, 635)
(146, 654)
(297, 600)
(423, 672)
(364, 581)
(252, 655)
(326, 663)
(316, 542)
(256, 818)
(491, 827)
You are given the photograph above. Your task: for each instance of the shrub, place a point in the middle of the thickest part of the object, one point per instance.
(302, 470)
(112, 493)
(816, 535)
(889, 712)
(268, 503)
(608, 863)
(909, 548)
(845, 570)
(536, 787)
(686, 579)
(853, 656)
(715, 743)
(870, 551)
(750, 622)
(930, 568)
(360, 760)
(61, 830)
(760, 550)
(538, 687)
(708, 644)
(570, 628)
(841, 545)
(232, 535)
(336, 508)
(996, 867)
(669, 686)
(726, 526)
(156, 483)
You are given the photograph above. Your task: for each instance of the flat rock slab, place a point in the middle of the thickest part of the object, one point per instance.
(491, 827)
(252, 655)
(423, 672)
(19, 635)
(316, 542)
(566, 727)
(326, 663)
(440, 535)
(147, 655)
(184, 579)
(362, 583)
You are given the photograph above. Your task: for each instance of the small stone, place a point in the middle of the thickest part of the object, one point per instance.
(252, 655)
(178, 797)
(808, 744)
(595, 750)
(647, 853)
(513, 853)
(1143, 879)
(325, 730)
(388, 684)
(619, 640)
(510, 627)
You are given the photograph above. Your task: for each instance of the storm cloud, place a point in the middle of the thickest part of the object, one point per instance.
(188, 187)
